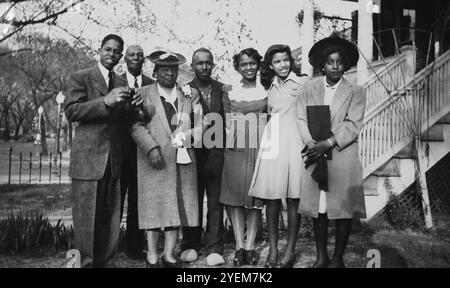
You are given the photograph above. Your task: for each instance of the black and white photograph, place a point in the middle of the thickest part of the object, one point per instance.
(224, 134)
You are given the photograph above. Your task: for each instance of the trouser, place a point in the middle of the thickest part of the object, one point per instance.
(96, 218)
(214, 237)
(134, 238)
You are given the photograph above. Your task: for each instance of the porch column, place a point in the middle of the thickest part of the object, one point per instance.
(365, 40)
(307, 36)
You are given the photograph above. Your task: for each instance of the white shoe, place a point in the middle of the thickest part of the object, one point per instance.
(188, 255)
(214, 259)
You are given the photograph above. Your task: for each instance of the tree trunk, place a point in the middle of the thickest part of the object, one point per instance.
(70, 135)
(44, 146)
(421, 161)
(6, 135)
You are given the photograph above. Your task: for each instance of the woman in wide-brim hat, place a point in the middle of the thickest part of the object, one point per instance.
(344, 198)
(167, 189)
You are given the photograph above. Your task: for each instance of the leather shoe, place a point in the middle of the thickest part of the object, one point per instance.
(167, 264)
(151, 265)
(288, 264)
(271, 263)
(239, 257)
(251, 257)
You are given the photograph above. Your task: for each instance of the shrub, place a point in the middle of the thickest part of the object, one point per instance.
(402, 211)
(24, 233)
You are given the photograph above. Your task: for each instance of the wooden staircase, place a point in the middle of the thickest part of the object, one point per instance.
(384, 140)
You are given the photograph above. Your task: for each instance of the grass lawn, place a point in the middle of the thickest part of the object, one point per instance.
(406, 248)
(50, 200)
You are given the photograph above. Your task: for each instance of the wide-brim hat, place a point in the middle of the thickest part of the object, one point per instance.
(318, 51)
(164, 57)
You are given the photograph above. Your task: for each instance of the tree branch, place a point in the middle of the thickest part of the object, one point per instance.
(14, 51)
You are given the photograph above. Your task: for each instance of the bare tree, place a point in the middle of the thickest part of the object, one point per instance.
(21, 13)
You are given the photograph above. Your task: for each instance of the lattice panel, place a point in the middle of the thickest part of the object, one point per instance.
(438, 180)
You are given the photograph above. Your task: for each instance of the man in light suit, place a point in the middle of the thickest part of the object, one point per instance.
(134, 238)
(95, 101)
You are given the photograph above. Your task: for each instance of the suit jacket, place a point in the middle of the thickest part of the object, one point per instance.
(210, 160)
(345, 197)
(165, 197)
(145, 80)
(100, 131)
(130, 146)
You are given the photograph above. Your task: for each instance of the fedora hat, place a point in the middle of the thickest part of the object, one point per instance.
(317, 54)
(165, 57)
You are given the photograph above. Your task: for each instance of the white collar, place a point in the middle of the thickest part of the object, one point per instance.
(105, 72)
(131, 78)
(291, 77)
(239, 93)
(326, 85)
(170, 98)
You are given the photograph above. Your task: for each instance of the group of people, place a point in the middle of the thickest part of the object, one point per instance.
(246, 145)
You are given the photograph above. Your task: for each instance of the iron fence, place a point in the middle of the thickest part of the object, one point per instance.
(24, 168)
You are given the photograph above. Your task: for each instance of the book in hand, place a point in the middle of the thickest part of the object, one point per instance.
(319, 126)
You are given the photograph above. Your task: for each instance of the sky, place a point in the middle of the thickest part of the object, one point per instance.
(267, 21)
(270, 21)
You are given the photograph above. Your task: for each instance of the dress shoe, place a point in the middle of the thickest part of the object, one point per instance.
(168, 264)
(214, 259)
(151, 265)
(251, 257)
(288, 264)
(239, 257)
(321, 263)
(271, 263)
(189, 255)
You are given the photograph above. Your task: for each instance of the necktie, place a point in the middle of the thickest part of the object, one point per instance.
(136, 85)
(111, 81)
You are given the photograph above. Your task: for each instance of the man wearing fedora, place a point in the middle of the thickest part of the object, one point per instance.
(209, 167)
(95, 101)
(167, 174)
(134, 238)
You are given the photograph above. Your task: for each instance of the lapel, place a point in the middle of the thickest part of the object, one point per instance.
(202, 101)
(99, 81)
(146, 80)
(216, 98)
(342, 93)
(182, 102)
(318, 92)
(155, 98)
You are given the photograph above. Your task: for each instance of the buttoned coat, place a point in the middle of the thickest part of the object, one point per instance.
(165, 200)
(345, 198)
(100, 131)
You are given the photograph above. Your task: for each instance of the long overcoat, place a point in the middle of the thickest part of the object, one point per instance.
(345, 198)
(165, 200)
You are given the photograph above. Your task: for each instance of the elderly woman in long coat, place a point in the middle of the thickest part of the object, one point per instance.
(167, 176)
(343, 197)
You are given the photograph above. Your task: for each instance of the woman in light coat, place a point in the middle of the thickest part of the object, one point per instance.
(167, 185)
(344, 198)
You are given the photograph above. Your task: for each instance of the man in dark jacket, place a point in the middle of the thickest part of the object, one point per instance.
(209, 166)
(134, 238)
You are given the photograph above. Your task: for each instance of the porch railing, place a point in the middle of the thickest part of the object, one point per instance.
(384, 132)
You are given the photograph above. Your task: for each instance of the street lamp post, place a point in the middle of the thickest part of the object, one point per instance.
(60, 100)
(38, 135)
